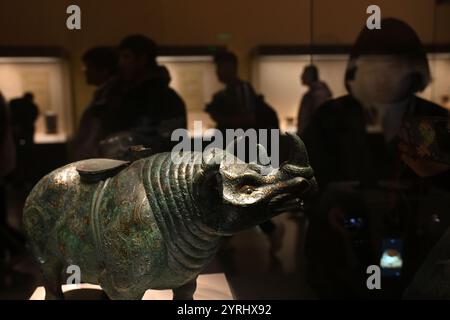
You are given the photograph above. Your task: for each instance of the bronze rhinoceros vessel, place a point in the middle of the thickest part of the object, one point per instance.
(153, 223)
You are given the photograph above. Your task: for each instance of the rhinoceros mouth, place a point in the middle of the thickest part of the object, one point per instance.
(290, 196)
(286, 202)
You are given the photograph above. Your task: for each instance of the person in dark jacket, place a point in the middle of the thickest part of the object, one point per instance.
(357, 218)
(11, 241)
(318, 93)
(142, 108)
(7, 157)
(24, 113)
(238, 106)
(101, 72)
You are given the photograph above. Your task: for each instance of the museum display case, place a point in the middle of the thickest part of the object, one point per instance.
(276, 72)
(48, 79)
(194, 78)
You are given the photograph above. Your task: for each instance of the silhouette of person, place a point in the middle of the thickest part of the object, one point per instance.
(239, 107)
(100, 68)
(318, 92)
(445, 101)
(386, 69)
(9, 238)
(24, 113)
(165, 75)
(7, 154)
(143, 109)
(234, 107)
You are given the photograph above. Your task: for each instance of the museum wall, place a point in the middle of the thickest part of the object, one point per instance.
(235, 24)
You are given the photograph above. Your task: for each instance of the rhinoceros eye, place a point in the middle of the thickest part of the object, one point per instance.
(247, 189)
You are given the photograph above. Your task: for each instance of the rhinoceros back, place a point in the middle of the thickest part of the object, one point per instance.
(106, 225)
(142, 223)
(55, 203)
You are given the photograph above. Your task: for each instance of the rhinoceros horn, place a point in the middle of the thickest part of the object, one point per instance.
(298, 156)
(298, 162)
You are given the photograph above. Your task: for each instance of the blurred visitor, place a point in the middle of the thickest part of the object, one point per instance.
(9, 240)
(7, 156)
(24, 113)
(165, 75)
(142, 108)
(318, 92)
(100, 69)
(239, 107)
(404, 196)
(445, 101)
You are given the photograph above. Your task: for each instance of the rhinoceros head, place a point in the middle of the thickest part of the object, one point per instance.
(234, 195)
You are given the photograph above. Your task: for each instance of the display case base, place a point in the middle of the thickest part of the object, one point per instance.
(209, 287)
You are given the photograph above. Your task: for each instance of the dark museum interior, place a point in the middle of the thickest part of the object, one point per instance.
(352, 203)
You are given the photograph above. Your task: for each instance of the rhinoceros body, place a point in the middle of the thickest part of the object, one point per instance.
(156, 223)
(128, 233)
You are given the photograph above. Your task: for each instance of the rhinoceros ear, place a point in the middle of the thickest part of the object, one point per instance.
(207, 186)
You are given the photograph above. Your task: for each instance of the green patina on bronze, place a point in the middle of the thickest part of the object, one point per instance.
(152, 223)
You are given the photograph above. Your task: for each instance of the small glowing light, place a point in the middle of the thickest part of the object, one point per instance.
(391, 259)
(435, 218)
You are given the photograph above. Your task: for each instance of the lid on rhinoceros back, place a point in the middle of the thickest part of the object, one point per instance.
(94, 170)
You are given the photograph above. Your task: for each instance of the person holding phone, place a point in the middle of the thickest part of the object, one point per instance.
(410, 185)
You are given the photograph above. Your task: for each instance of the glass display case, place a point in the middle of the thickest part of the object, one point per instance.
(47, 78)
(365, 188)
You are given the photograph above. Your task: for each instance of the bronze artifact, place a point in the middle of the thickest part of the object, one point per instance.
(151, 223)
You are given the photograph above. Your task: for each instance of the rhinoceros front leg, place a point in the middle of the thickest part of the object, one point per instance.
(185, 292)
(52, 273)
(108, 284)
